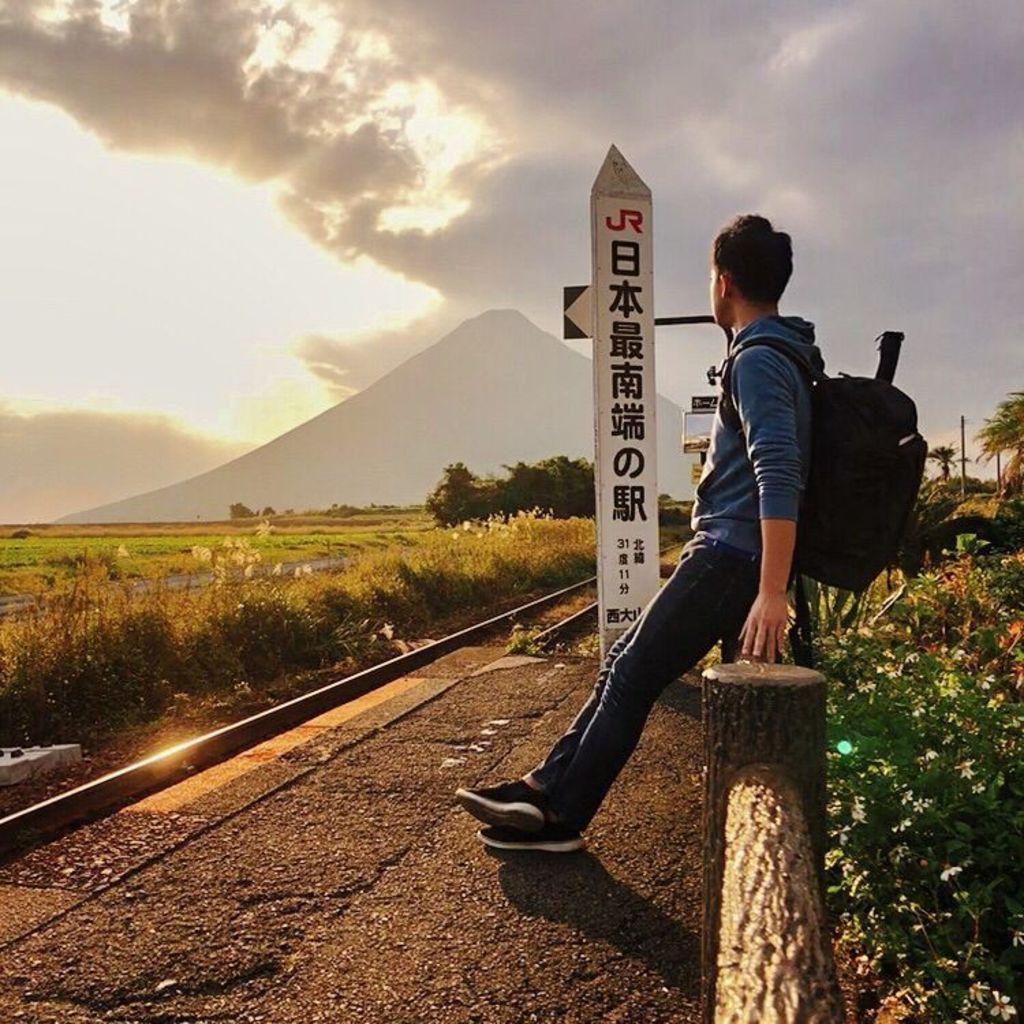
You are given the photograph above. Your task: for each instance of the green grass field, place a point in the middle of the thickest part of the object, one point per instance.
(52, 555)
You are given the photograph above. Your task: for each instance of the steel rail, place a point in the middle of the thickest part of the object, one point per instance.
(547, 635)
(168, 766)
(543, 638)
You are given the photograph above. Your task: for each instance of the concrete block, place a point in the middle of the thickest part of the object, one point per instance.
(20, 763)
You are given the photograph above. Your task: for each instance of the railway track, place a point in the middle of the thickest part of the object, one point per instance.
(105, 794)
(109, 792)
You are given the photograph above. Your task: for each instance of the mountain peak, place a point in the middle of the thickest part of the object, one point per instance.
(494, 391)
(492, 320)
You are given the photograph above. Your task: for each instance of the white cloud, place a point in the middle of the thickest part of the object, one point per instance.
(163, 283)
(807, 45)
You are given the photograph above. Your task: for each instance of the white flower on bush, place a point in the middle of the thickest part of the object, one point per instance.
(1018, 937)
(951, 872)
(929, 755)
(966, 769)
(978, 788)
(1002, 1008)
(857, 810)
(978, 991)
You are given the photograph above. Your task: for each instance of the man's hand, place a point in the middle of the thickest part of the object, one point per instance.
(764, 632)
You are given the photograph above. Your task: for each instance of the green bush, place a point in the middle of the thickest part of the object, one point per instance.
(559, 485)
(1009, 523)
(927, 809)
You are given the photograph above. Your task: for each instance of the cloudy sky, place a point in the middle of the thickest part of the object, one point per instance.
(220, 217)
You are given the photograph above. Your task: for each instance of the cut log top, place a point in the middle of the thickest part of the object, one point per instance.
(761, 673)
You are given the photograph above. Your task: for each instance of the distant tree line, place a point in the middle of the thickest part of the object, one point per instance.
(239, 510)
(561, 485)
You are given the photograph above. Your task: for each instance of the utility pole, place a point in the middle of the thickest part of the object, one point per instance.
(999, 475)
(963, 460)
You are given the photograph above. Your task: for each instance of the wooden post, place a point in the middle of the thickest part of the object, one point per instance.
(766, 944)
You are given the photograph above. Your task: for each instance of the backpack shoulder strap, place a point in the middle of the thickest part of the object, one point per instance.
(811, 373)
(801, 633)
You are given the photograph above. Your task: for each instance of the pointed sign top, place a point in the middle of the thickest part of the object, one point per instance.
(617, 178)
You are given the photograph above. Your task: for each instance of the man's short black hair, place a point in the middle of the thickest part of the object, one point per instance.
(757, 258)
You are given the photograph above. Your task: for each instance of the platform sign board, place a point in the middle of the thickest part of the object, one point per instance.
(703, 403)
(625, 432)
(697, 431)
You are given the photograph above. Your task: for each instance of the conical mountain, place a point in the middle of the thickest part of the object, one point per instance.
(494, 391)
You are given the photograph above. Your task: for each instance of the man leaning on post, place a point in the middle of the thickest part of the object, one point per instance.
(731, 577)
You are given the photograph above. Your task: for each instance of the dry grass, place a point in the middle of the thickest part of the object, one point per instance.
(100, 658)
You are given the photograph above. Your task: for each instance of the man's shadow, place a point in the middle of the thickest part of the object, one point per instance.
(576, 889)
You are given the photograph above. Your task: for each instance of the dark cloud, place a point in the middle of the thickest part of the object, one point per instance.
(56, 462)
(177, 82)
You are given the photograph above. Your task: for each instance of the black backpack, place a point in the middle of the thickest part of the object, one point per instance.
(867, 462)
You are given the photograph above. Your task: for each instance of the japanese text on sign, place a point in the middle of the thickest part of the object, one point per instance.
(625, 430)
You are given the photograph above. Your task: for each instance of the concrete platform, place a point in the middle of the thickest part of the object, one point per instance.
(328, 875)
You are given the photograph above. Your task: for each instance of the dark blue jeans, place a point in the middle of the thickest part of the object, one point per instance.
(705, 600)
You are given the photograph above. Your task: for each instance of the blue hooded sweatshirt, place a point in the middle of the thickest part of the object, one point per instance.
(759, 471)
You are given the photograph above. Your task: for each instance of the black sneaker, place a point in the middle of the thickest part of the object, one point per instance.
(554, 837)
(511, 803)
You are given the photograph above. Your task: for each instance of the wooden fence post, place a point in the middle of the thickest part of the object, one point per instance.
(766, 944)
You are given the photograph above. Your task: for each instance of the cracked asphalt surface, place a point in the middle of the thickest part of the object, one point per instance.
(357, 890)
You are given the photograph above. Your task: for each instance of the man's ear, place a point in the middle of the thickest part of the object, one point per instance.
(725, 285)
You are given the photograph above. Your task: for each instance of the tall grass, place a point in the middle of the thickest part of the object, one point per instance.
(99, 658)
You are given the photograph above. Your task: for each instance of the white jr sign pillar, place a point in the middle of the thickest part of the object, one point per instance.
(625, 434)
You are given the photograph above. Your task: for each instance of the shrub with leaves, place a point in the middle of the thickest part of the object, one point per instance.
(927, 799)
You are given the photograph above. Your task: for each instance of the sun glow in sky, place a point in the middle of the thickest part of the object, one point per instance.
(139, 283)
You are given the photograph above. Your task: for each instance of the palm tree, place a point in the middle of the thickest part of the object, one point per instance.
(1002, 432)
(945, 456)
